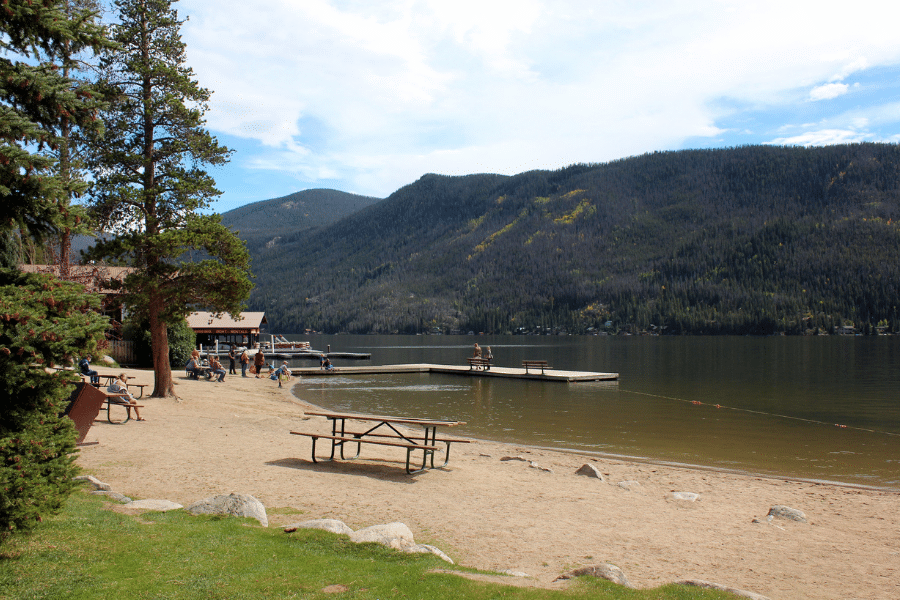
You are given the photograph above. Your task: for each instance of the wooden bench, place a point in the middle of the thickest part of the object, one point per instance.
(339, 441)
(476, 363)
(114, 400)
(534, 364)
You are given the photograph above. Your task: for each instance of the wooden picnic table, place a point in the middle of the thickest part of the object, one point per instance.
(111, 378)
(383, 433)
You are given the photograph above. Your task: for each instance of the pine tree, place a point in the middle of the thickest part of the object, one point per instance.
(150, 184)
(43, 321)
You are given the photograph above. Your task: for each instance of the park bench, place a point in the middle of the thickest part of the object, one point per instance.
(479, 363)
(534, 364)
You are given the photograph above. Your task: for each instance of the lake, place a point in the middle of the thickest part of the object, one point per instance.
(822, 408)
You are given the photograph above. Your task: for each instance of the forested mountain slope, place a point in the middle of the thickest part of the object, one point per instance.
(743, 240)
(265, 221)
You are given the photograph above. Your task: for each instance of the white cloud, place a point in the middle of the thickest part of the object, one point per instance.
(378, 93)
(828, 91)
(823, 137)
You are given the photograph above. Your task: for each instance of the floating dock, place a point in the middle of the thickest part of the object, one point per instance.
(502, 372)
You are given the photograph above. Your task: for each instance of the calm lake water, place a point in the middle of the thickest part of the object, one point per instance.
(824, 408)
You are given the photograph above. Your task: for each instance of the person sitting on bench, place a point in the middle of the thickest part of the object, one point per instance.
(120, 386)
(85, 366)
(193, 368)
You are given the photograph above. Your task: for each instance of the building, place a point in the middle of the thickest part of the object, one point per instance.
(210, 328)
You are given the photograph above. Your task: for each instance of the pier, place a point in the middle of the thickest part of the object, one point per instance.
(501, 372)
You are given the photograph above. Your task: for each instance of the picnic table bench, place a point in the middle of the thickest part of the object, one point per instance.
(479, 362)
(111, 378)
(389, 436)
(534, 364)
(116, 400)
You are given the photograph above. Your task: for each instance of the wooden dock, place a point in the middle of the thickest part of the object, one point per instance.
(502, 372)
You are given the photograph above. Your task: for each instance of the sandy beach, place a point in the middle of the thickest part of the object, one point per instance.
(499, 515)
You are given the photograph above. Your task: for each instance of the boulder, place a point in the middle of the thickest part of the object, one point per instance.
(94, 482)
(689, 496)
(112, 495)
(393, 535)
(722, 588)
(589, 470)
(235, 505)
(785, 512)
(604, 570)
(332, 525)
(157, 505)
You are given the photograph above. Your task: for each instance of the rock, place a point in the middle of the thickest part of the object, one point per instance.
(112, 495)
(512, 573)
(603, 570)
(96, 483)
(630, 485)
(235, 505)
(157, 505)
(689, 496)
(722, 588)
(426, 548)
(589, 470)
(332, 525)
(785, 512)
(393, 535)
(514, 458)
(108, 360)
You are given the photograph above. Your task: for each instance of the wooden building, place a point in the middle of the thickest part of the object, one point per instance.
(241, 332)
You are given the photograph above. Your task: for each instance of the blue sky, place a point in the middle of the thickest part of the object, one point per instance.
(366, 96)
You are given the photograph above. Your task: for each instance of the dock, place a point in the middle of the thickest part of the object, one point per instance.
(501, 372)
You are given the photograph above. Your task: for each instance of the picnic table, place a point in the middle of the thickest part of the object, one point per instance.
(383, 432)
(111, 378)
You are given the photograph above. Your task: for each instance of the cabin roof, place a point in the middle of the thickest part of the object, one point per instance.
(207, 322)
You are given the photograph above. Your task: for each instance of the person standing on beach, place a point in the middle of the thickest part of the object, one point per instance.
(259, 361)
(232, 355)
(245, 361)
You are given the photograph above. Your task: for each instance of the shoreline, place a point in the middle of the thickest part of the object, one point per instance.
(499, 515)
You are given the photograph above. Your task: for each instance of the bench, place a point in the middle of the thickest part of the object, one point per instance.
(114, 400)
(340, 440)
(534, 364)
(476, 363)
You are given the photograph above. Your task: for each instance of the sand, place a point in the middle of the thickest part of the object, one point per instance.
(499, 515)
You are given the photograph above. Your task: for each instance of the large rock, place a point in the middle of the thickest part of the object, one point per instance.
(589, 470)
(332, 525)
(235, 505)
(785, 512)
(150, 504)
(397, 536)
(722, 588)
(604, 570)
(393, 535)
(94, 482)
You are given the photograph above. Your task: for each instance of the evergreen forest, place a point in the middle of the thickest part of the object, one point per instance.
(755, 240)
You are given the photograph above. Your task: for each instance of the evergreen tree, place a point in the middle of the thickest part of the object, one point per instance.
(150, 185)
(43, 321)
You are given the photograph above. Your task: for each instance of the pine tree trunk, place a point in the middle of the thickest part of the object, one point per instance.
(159, 341)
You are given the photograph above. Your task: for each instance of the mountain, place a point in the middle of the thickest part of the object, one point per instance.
(264, 222)
(756, 239)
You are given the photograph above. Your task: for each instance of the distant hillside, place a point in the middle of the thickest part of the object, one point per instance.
(264, 222)
(744, 240)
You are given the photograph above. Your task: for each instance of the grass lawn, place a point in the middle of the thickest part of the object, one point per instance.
(87, 552)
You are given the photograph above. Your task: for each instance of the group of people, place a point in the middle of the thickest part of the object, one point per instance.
(216, 369)
(118, 386)
(482, 352)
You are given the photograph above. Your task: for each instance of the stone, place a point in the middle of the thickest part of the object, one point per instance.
(393, 535)
(630, 485)
(94, 482)
(785, 512)
(112, 495)
(157, 505)
(506, 458)
(589, 470)
(689, 496)
(235, 505)
(722, 588)
(512, 573)
(332, 525)
(108, 360)
(426, 548)
(603, 570)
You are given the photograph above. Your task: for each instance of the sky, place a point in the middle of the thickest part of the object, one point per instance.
(366, 96)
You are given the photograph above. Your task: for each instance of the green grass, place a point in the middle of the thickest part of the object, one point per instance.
(87, 552)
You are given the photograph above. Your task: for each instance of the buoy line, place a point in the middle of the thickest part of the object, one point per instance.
(759, 412)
